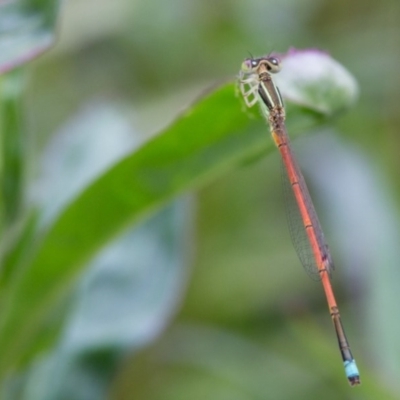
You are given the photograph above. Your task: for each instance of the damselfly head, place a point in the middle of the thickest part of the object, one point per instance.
(251, 65)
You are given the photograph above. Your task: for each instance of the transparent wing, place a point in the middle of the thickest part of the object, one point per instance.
(297, 230)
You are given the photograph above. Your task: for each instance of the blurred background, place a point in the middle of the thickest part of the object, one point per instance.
(249, 324)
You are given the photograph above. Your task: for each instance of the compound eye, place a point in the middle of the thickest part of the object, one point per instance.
(249, 65)
(254, 63)
(273, 65)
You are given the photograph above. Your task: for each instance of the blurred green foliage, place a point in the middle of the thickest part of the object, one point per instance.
(248, 322)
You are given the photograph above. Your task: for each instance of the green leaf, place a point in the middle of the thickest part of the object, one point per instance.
(26, 30)
(122, 303)
(13, 148)
(210, 138)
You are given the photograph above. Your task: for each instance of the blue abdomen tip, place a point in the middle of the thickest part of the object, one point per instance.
(351, 369)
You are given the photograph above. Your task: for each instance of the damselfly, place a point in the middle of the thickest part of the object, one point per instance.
(257, 86)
